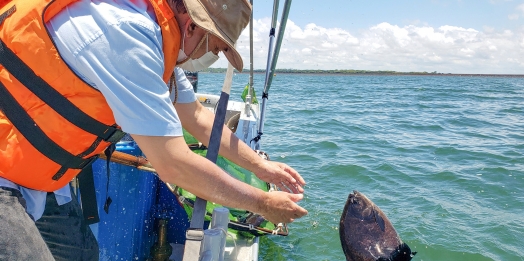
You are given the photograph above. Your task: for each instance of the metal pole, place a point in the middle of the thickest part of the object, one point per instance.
(272, 62)
(249, 98)
(271, 42)
(282, 28)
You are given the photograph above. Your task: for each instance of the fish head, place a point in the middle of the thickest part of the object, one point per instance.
(360, 206)
(363, 208)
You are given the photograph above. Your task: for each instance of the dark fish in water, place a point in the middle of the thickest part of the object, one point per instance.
(367, 234)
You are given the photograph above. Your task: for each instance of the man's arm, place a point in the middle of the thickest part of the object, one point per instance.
(198, 121)
(176, 163)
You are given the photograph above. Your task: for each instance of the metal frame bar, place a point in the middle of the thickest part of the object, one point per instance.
(272, 62)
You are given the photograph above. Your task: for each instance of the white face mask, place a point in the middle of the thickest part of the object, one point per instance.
(181, 55)
(199, 64)
(195, 65)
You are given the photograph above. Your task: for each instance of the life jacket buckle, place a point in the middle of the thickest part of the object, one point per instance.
(88, 161)
(82, 165)
(114, 134)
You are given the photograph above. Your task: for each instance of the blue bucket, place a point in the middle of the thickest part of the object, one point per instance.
(128, 230)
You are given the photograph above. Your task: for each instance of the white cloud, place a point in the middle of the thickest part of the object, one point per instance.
(447, 49)
(488, 29)
(521, 8)
(513, 16)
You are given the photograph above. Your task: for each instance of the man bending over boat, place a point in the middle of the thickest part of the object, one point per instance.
(75, 74)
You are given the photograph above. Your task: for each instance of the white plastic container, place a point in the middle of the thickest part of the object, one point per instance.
(219, 222)
(210, 250)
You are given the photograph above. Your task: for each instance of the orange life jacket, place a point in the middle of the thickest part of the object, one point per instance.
(52, 124)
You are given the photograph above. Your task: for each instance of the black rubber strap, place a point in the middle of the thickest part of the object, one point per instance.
(7, 13)
(108, 152)
(52, 97)
(30, 130)
(86, 183)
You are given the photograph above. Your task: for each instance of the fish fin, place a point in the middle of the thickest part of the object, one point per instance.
(402, 253)
(379, 220)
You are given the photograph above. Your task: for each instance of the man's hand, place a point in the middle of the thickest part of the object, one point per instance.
(281, 207)
(282, 175)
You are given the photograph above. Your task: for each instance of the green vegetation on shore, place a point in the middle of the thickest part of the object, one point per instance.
(356, 72)
(222, 70)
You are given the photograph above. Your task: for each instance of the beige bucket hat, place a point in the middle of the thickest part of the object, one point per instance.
(223, 18)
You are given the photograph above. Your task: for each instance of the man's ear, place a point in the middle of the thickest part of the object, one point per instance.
(190, 29)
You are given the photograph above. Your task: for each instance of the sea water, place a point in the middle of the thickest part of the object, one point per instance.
(442, 156)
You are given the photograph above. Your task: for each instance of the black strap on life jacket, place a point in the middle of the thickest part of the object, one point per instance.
(34, 134)
(108, 152)
(86, 183)
(7, 13)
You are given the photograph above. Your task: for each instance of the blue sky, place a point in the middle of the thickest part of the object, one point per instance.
(353, 15)
(448, 36)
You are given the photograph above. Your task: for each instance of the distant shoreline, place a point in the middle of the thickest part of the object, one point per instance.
(365, 72)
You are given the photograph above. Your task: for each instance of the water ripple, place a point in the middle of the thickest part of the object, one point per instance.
(443, 157)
